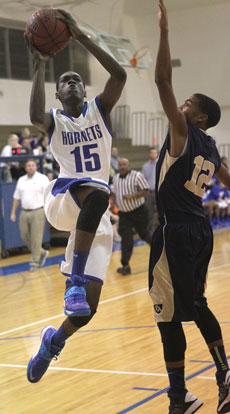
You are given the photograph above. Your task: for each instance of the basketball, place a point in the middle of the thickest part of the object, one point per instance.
(50, 35)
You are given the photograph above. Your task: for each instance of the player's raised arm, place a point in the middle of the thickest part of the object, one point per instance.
(163, 79)
(38, 116)
(116, 82)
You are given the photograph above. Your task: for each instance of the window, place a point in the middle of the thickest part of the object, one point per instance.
(16, 60)
(19, 59)
(3, 66)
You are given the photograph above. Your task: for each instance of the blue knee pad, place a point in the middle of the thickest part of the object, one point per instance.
(94, 206)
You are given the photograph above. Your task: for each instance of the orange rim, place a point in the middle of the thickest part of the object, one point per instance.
(138, 55)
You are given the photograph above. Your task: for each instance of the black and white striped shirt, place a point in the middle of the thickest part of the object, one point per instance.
(133, 182)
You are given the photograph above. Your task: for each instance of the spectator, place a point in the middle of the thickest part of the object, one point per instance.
(25, 134)
(130, 189)
(210, 202)
(27, 150)
(29, 191)
(49, 163)
(25, 143)
(10, 169)
(216, 200)
(114, 159)
(149, 172)
(224, 205)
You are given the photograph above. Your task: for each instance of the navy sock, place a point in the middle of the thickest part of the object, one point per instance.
(219, 356)
(60, 336)
(176, 380)
(79, 262)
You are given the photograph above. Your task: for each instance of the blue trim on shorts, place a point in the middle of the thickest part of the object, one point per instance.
(87, 277)
(61, 185)
(52, 127)
(102, 115)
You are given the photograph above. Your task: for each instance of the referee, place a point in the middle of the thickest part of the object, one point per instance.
(130, 189)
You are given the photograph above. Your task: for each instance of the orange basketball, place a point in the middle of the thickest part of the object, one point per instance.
(49, 34)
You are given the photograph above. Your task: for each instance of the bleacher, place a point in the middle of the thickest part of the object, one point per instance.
(136, 154)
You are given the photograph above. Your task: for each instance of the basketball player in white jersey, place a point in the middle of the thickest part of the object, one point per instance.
(77, 201)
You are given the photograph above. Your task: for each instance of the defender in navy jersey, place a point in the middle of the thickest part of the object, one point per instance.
(77, 201)
(182, 244)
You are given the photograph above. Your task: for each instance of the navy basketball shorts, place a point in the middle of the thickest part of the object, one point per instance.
(179, 258)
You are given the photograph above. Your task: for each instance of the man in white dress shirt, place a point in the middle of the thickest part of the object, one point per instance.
(29, 192)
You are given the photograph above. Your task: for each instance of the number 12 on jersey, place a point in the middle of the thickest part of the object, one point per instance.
(198, 182)
(85, 159)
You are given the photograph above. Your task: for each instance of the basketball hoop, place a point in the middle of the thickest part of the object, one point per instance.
(139, 54)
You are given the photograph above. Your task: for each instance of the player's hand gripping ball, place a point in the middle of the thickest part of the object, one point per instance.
(50, 35)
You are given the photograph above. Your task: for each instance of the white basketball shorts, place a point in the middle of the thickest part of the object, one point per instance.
(62, 212)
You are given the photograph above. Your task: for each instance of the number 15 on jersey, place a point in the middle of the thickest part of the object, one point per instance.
(86, 159)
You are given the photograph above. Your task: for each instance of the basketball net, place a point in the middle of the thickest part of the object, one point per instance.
(144, 51)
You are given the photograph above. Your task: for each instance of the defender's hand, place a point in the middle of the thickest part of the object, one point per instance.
(162, 16)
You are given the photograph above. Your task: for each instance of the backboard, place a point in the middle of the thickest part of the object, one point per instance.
(123, 50)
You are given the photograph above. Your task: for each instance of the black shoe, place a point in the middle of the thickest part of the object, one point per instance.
(186, 404)
(124, 270)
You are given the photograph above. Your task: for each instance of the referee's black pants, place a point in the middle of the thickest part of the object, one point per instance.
(137, 219)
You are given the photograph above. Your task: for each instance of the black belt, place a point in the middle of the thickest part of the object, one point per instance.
(32, 209)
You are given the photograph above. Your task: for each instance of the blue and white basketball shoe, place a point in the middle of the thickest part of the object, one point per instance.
(39, 362)
(75, 303)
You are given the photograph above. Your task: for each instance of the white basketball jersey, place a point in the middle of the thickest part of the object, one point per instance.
(82, 146)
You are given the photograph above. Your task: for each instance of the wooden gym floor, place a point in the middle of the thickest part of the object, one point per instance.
(114, 365)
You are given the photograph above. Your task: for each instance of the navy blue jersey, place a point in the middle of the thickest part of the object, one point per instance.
(181, 182)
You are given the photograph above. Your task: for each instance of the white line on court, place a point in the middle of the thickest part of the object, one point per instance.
(61, 314)
(219, 267)
(207, 378)
(100, 303)
(101, 371)
(104, 371)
